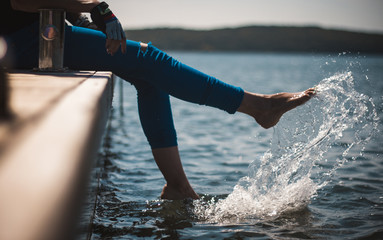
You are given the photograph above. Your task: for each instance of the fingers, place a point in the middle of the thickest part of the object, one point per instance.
(112, 46)
(123, 45)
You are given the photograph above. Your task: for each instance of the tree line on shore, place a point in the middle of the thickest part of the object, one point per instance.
(261, 39)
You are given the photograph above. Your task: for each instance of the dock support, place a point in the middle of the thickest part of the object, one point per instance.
(5, 113)
(51, 42)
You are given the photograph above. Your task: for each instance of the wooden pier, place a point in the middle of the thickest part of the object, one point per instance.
(47, 150)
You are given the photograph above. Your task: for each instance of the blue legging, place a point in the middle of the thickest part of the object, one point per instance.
(154, 74)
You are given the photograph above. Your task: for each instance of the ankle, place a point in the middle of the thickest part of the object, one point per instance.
(252, 104)
(181, 188)
(178, 192)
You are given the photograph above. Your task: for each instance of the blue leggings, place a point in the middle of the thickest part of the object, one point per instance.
(155, 75)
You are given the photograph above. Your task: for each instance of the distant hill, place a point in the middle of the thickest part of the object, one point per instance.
(261, 39)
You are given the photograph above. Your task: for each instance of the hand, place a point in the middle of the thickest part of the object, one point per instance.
(113, 45)
(105, 20)
(115, 36)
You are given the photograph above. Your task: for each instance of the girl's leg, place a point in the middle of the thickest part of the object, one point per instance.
(157, 123)
(177, 185)
(85, 50)
(186, 83)
(155, 115)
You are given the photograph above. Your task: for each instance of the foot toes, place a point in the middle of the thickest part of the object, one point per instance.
(310, 91)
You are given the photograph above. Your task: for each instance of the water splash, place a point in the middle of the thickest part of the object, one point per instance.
(308, 145)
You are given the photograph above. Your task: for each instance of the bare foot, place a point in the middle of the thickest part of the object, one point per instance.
(268, 109)
(171, 193)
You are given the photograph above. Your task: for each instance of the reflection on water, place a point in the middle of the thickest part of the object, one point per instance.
(317, 174)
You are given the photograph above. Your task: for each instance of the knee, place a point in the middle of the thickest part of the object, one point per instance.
(144, 88)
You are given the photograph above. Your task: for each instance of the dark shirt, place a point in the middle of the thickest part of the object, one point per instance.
(12, 20)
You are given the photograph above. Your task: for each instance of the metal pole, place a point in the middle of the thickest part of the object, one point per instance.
(51, 45)
(5, 112)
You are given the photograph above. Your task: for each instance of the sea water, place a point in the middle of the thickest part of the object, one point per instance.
(316, 174)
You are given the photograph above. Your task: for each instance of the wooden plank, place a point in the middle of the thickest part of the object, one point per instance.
(44, 172)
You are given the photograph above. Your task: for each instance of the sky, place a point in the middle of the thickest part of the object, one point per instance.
(354, 15)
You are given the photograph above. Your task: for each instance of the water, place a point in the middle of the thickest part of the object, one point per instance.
(317, 174)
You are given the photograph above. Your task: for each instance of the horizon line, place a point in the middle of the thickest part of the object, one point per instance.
(365, 31)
